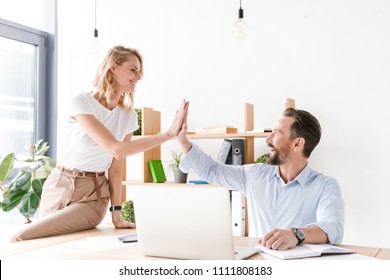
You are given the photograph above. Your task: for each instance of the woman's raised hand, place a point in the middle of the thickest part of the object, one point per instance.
(179, 120)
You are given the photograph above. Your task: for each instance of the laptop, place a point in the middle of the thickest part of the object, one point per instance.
(186, 222)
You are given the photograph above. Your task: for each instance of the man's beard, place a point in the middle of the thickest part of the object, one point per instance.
(279, 157)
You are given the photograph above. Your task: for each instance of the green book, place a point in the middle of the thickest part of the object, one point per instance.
(157, 170)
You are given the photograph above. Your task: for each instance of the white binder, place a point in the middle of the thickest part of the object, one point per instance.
(238, 213)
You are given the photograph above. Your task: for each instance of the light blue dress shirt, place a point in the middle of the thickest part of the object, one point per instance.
(310, 199)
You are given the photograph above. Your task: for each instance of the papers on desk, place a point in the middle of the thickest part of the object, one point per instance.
(305, 251)
(102, 243)
(128, 238)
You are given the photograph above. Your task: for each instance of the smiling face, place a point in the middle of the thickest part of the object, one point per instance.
(127, 75)
(279, 142)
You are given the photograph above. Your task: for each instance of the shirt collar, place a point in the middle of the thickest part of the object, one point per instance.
(300, 179)
(304, 175)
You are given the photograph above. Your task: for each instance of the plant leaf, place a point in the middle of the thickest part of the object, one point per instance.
(12, 200)
(23, 158)
(42, 151)
(40, 158)
(29, 204)
(6, 166)
(38, 144)
(6, 191)
(21, 181)
(35, 165)
(37, 185)
(43, 171)
(26, 168)
(127, 213)
(139, 115)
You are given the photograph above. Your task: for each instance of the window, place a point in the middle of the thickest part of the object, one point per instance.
(23, 95)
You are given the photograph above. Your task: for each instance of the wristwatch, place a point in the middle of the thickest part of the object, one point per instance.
(299, 235)
(115, 208)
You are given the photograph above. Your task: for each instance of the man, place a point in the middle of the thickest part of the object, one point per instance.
(288, 202)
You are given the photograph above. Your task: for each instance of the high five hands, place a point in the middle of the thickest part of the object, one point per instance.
(179, 120)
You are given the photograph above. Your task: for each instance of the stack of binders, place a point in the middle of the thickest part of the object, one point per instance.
(232, 152)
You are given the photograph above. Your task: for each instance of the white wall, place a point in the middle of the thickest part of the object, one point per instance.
(331, 56)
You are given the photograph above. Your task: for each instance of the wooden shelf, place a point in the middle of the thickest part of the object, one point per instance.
(151, 125)
(219, 135)
(228, 135)
(249, 143)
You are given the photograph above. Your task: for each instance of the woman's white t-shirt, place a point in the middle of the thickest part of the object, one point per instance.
(79, 151)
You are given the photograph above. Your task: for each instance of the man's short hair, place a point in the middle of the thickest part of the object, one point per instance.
(305, 125)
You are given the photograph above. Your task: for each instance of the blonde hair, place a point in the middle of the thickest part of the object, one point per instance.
(104, 79)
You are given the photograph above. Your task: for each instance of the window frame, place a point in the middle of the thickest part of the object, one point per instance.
(45, 119)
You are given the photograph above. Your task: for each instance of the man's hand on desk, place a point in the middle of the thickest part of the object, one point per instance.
(279, 239)
(283, 239)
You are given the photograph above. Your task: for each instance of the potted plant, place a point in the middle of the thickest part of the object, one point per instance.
(25, 188)
(127, 213)
(139, 114)
(262, 159)
(179, 176)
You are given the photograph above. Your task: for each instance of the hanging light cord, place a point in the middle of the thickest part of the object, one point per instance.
(96, 9)
(240, 12)
(95, 32)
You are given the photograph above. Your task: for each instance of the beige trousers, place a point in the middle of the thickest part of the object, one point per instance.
(68, 204)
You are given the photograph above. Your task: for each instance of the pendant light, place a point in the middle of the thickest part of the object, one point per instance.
(240, 28)
(95, 44)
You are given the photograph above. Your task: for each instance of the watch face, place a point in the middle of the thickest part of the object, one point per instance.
(300, 234)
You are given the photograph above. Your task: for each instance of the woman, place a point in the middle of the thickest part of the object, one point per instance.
(97, 140)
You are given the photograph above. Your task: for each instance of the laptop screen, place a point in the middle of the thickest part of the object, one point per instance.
(184, 222)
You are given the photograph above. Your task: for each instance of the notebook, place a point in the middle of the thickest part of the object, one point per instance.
(306, 251)
(186, 222)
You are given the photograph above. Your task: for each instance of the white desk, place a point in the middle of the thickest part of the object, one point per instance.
(67, 247)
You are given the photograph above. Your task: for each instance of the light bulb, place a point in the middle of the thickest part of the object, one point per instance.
(95, 45)
(240, 28)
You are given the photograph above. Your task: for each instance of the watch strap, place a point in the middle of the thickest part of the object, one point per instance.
(299, 235)
(116, 207)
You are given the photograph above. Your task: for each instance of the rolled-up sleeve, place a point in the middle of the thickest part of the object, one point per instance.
(330, 212)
